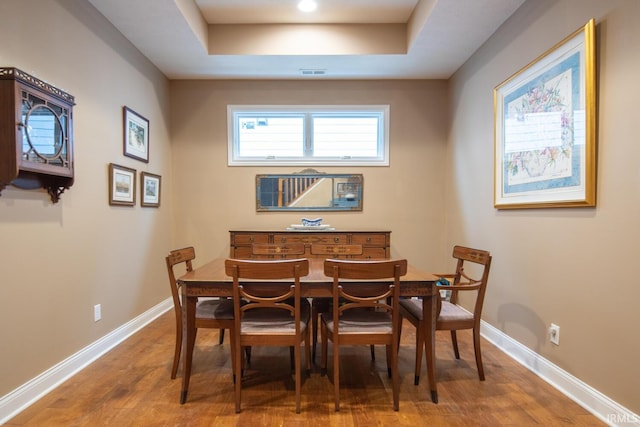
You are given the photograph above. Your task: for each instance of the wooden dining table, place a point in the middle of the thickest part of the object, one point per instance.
(210, 280)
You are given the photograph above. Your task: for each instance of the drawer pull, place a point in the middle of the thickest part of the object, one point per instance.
(251, 239)
(283, 240)
(336, 239)
(369, 239)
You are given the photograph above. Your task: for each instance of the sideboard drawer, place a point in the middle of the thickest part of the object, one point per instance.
(369, 239)
(372, 253)
(309, 238)
(242, 252)
(249, 238)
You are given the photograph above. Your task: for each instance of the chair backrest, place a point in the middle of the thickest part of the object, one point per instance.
(355, 284)
(335, 250)
(267, 284)
(184, 255)
(274, 250)
(463, 278)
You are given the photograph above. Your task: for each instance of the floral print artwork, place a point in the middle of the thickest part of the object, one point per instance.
(541, 149)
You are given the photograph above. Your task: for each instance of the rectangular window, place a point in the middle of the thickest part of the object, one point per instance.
(308, 135)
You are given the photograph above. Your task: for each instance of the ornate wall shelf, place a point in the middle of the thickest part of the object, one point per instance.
(36, 134)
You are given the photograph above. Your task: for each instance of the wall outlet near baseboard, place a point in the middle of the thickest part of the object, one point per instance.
(554, 334)
(97, 312)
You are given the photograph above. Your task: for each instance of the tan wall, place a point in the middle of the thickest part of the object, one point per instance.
(57, 261)
(405, 197)
(573, 267)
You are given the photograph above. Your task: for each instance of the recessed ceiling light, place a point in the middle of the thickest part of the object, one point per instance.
(307, 5)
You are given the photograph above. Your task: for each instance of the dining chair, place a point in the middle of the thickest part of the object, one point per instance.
(450, 315)
(363, 313)
(282, 250)
(210, 313)
(269, 311)
(322, 305)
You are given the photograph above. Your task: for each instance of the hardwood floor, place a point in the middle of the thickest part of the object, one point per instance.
(131, 386)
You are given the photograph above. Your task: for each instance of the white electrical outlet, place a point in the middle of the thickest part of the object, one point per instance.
(97, 312)
(554, 334)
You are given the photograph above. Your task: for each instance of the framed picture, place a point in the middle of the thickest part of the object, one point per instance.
(122, 185)
(545, 129)
(136, 135)
(150, 189)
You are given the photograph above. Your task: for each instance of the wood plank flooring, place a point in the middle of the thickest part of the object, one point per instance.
(131, 386)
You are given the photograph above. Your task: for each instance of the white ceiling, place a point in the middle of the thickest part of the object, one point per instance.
(271, 39)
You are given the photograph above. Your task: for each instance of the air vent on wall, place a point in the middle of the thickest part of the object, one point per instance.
(313, 72)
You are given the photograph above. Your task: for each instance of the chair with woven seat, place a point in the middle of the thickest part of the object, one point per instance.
(451, 316)
(365, 311)
(210, 313)
(269, 311)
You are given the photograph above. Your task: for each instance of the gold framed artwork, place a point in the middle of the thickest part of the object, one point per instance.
(545, 129)
(122, 185)
(150, 189)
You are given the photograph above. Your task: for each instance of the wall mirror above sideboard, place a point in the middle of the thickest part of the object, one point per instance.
(309, 190)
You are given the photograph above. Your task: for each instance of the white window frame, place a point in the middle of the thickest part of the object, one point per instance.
(233, 143)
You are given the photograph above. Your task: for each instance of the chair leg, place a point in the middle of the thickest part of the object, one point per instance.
(314, 331)
(221, 340)
(389, 361)
(419, 346)
(336, 376)
(232, 344)
(247, 351)
(476, 347)
(307, 351)
(292, 358)
(454, 341)
(395, 376)
(373, 352)
(244, 361)
(176, 354)
(239, 364)
(296, 352)
(325, 344)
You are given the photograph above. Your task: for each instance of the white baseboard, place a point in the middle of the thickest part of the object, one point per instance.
(586, 396)
(19, 399)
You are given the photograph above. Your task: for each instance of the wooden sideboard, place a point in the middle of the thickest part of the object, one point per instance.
(375, 244)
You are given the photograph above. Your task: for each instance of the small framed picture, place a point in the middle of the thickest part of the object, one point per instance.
(136, 135)
(122, 185)
(150, 189)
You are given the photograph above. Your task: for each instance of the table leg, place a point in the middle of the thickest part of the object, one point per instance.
(188, 340)
(429, 313)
